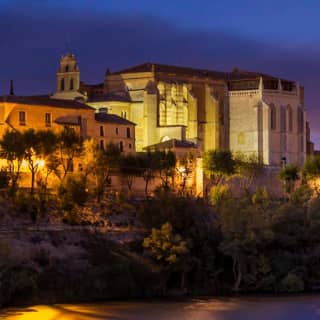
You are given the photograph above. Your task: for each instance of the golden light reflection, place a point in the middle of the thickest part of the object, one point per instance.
(55, 312)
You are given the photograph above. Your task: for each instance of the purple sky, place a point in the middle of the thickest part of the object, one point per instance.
(279, 37)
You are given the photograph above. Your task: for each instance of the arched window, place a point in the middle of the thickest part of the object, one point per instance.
(290, 118)
(71, 84)
(62, 84)
(283, 119)
(67, 68)
(300, 120)
(273, 117)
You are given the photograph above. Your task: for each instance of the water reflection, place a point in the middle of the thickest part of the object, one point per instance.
(198, 309)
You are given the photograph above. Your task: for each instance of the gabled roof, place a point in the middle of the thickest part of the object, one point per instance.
(236, 74)
(45, 100)
(111, 118)
(157, 67)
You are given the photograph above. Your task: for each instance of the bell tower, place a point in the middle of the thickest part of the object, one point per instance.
(68, 79)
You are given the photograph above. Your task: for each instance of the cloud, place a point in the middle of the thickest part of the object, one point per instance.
(33, 38)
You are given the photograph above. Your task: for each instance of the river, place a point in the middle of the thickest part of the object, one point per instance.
(263, 308)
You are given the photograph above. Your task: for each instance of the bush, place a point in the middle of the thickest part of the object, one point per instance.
(219, 194)
(17, 284)
(291, 283)
(73, 192)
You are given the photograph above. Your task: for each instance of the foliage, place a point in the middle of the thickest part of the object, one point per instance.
(129, 168)
(291, 283)
(186, 166)
(249, 168)
(312, 167)
(167, 166)
(69, 146)
(105, 162)
(149, 164)
(219, 194)
(73, 192)
(13, 150)
(165, 246)
(218, 164)
(289, 175)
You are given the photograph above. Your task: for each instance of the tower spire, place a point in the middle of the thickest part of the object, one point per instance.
(11, 93)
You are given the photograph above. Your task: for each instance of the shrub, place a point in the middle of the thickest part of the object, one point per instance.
(291, 283)
(219, 194)
(73, 192)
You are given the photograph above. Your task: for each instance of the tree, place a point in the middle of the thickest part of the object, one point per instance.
(13, 150)
(311, 171)
(166, 168)
(168, 248)
(218, 164)
(149, 163)
(106, 161)
(129, 168)
(186, 165)
(289, 175)
(248, 168)
(69, 146)
(47, 147)
(245, 230)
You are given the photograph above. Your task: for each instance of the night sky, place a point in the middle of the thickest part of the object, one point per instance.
(279, 37)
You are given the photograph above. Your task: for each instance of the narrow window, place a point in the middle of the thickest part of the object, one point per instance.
(101, 131)
(22, 118)
(62, 84)
(283, 119)
(290, 118)
(71, 84)
(48, 119)
(273, 117)
(117, 131)
(300, 120)
(121, 146)
(101, 144)
(130, 146)
(128, 133)
(67, 68)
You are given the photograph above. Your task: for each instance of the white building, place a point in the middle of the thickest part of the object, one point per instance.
(267, 118)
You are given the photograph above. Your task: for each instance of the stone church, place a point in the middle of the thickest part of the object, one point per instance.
(246, 112)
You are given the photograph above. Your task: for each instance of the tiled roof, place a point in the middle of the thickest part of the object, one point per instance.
(111, 118)
(236, 74)
(45, 101)
(148, 67)
(112, 96)
(172, 143)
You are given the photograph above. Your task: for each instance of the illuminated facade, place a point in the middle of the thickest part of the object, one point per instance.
(149, 104)
(267, 117)
(168, 103)
(246, 112)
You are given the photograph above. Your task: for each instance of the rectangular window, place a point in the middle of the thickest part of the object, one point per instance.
(48, 119)
(22, 118)
(101, 144)
(117, 131)
(128, 133)
(101, 131)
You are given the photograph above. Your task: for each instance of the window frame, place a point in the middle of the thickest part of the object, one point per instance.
(22, 122)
